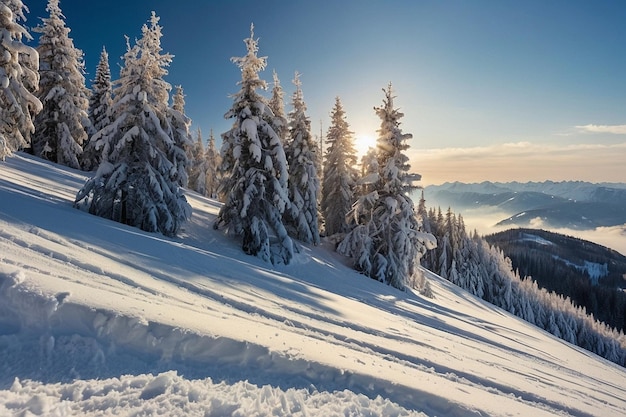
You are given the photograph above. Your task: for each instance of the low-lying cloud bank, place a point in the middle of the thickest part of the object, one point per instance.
(485, 220)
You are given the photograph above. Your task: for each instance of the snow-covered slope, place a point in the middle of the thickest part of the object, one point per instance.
(97, 318)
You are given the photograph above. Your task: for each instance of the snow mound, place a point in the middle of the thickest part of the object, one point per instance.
(169, 394)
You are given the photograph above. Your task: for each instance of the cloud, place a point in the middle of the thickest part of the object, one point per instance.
(521, 161)
(536, 223)
(613, 237)
(613, 129)
(485, 220)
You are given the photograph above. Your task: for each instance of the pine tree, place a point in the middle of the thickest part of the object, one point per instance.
(19, 78)
(388, 241)
(339, 174)
(277, 105)
(369, 174)
(197, 166)
(99, 110)
(430, 258)
(301, 217)
(101, 94)
(319, 160)
(137, 182)
(255, 167)
(62, 126)
(180, 124)
(212, 158)
(445, 257)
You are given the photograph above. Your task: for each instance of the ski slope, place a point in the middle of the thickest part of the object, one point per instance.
(97, 318)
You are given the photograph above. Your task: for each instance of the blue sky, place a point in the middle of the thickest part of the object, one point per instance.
(491, 90)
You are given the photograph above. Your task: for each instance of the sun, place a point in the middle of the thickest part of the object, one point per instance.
(363, 142)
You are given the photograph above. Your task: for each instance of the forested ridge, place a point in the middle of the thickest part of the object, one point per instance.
(592, 275)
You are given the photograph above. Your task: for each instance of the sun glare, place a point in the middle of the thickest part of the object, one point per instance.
(363, 142)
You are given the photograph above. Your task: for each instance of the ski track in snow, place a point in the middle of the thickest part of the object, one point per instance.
(90, 308)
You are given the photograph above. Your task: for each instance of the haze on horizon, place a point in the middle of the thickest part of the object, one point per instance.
(498, 91)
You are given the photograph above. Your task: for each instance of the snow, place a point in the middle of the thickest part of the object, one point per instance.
(593, 269)
(596, 270)
(98, 318)
(529, 237)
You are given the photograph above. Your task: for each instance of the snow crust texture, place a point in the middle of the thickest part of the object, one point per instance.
(171, 394)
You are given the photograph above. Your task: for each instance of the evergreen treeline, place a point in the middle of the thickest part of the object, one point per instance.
(562, 264)
(483, 270)
(133, 134)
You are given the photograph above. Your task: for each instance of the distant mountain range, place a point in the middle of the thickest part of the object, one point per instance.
(571, 204)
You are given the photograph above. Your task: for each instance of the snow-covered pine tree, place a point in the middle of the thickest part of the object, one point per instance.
(430, 258)
(339, 173)
(301, 217)
(136, 182)
(212, 158)
(255, 168)
(277, 105)
(448, 245)
(101, 94)
(62, 126)
(197, 166)
(19, 78)
(369, 173)
(191, 157)
(388, 242)
(319, 162)
(99, 110)
(180, 124)
(445, 256)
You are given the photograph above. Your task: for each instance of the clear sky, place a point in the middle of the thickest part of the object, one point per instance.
(492, 90)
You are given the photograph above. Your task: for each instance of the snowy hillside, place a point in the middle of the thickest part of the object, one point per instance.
(97, 318)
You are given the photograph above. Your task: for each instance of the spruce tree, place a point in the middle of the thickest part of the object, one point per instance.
(254, 168)
(19, 78)
(277, 105)
(136, 182)
(99, 110)
(387, 243)
(197, 165)
(301, 218)
(62, 126)
(369, 174)
(212, 158)
(180, 125)
(101, 94)
(339, 174)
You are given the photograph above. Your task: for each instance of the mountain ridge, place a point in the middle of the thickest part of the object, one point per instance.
(567, 204)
